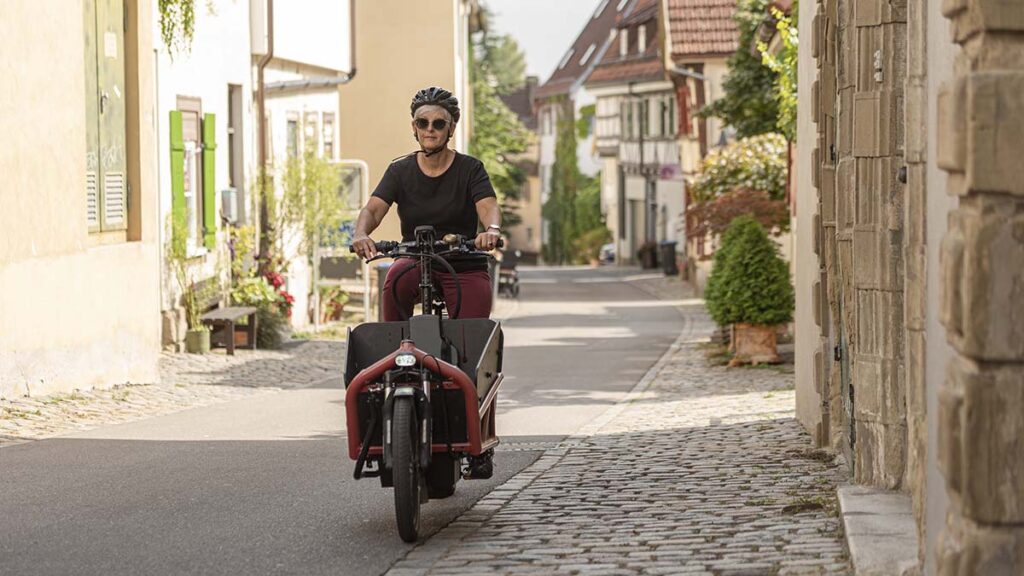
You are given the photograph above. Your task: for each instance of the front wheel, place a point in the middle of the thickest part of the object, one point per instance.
(406, 468)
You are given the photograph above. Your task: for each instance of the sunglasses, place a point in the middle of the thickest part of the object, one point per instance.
(438, 123)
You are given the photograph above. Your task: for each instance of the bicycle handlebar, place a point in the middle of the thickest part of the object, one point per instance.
(450, 243)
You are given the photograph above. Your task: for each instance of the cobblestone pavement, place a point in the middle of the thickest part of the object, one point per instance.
(702, 470)
(186, 381)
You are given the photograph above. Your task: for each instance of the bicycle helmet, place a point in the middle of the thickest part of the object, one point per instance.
(435, 96)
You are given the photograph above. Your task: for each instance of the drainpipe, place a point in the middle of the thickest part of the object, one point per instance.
(261, 111)
(324, 82)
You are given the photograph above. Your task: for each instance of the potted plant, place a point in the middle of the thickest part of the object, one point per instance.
(749, 288)
(332, 303)
(197, 338)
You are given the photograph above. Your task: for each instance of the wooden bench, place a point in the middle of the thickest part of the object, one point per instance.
(224, 319)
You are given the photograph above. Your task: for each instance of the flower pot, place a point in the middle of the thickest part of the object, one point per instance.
(197, 341)
(755, 344)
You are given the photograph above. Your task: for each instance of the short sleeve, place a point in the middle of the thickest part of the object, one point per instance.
(388, 187)
(480, 183)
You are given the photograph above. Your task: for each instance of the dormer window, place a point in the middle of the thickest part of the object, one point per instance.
(624, 43)
(587, 54)
(568, 56)
(622, 4)
(641, 40)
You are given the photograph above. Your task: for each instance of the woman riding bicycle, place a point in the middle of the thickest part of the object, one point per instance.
(435, 186)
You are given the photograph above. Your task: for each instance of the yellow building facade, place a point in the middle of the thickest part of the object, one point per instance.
(79, 256)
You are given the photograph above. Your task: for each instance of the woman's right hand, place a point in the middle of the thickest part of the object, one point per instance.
(364, 246)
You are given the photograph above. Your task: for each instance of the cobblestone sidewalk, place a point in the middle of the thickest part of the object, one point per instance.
(703, 470)
(186, 381)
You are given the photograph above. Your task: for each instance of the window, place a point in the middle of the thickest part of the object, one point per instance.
(328, 131)
(671, 114)
(236, 155)
(624, 42)
(587, 54)
(622, 4)
(311, 132)
(292, 135)
(193, 158)
(565, 60)
(641, 39)
(645, 118)
(106, 184)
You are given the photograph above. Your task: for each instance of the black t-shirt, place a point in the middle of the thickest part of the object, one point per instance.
(446, 202)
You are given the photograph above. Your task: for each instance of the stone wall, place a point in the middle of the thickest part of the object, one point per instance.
(861, 52)
(981, 404)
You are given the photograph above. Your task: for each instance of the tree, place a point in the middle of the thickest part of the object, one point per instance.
(498, 136)
(750, 282)
(784, 65)
(749, 104)
(502, 62)
(560, 209)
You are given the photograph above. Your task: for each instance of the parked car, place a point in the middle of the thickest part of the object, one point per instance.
(607, 254)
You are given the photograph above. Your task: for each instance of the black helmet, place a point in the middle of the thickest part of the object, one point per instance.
(435, 96)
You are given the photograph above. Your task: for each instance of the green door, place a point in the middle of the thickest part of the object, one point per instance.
(106, 174)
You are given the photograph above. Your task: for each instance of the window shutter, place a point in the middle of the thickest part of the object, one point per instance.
(209, 181)
(177, 171)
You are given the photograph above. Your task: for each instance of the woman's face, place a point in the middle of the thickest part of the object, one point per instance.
(431, 124)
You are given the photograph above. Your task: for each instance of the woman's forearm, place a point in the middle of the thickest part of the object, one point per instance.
(369, 219)
(489, 213)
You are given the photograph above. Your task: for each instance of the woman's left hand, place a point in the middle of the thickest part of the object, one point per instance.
(487, 240)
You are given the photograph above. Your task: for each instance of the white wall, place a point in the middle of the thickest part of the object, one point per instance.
(805, 261)
(586, 154)
(219, 56)
(313, 32)
(941, 55)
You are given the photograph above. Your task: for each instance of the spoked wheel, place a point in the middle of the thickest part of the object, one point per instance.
(406, 468)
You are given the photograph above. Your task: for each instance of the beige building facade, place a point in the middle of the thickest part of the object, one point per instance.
(913, 366)
(402, 47)
(79, 249)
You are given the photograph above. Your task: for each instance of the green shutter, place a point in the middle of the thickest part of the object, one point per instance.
(178, 209)
(209, 181)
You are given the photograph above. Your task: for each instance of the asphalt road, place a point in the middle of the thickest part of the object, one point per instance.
(263, 485)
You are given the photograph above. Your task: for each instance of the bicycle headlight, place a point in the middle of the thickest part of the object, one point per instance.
(405, 360)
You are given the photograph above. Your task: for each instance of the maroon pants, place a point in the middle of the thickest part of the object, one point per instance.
(476, 292)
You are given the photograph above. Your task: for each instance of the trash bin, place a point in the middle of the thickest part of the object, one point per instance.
(668, 258)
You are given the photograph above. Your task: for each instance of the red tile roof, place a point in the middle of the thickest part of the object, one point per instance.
(702, 28)
(597, 33)
(615, 69)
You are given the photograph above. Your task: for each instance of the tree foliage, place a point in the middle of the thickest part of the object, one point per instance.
(311, 203)
(749, 104)
(502, 62)
(560, 208)
(784, 65)
(714, 216)
(749, 282)
(498, 68)
(754, 163)
(178, 23)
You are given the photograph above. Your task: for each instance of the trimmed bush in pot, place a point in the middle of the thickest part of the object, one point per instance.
(750, 289)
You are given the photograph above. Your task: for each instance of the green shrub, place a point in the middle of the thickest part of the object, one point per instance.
(749, 282)
(756, 163)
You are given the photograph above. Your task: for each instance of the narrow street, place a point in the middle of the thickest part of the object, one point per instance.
(260, 483)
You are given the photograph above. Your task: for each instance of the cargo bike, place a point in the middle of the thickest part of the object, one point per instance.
(421, 394)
